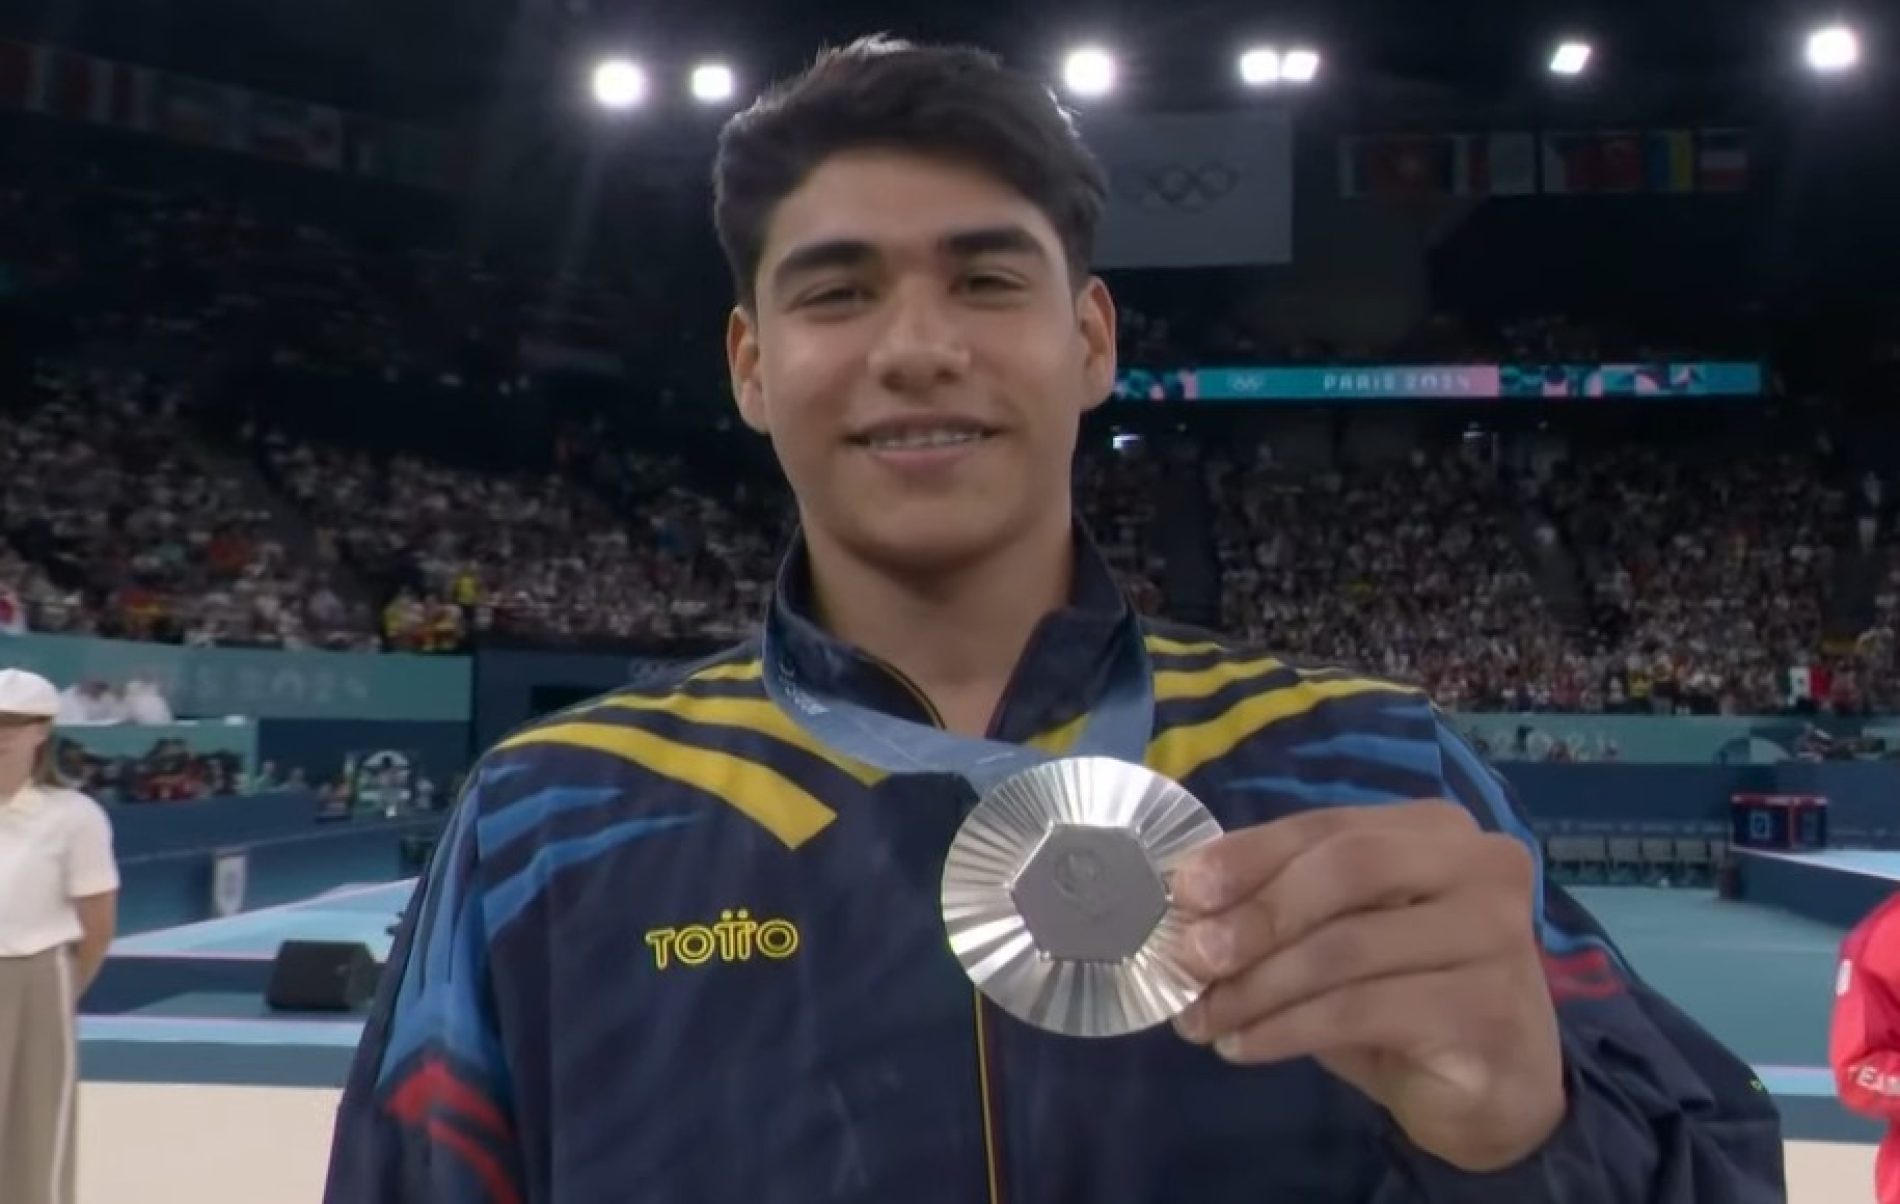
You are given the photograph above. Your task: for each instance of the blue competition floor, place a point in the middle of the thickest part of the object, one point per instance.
(1759, 979)
(349, 913)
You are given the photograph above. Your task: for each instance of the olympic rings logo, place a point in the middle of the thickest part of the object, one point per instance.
(1177, 187)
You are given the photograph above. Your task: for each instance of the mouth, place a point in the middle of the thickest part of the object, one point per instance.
(923, 435)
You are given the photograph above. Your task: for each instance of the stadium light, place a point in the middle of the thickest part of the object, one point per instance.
(712, 83)
(1300, 66)
(1089, 71)
(619, 84)
(1570, 58)
(1833, 49)
(1260, 67)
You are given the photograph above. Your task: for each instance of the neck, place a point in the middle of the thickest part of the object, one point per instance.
(957, 635)
(11, 784)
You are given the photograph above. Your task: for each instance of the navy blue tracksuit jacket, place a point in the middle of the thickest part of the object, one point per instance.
(671, 950)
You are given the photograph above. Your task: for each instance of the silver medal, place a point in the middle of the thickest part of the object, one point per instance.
(1056, 895)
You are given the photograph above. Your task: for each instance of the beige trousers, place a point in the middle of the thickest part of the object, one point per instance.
(38, 1078)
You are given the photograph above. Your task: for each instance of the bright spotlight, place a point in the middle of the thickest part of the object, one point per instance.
(712, 83)
(1570, 58)
(619, 84)
(1836, 48)
(1300, 66)
(1260, 67)
(1089, 71)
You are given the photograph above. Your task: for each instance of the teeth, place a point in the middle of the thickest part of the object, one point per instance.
(924, 439)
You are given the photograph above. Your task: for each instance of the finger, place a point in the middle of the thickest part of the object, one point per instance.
(1396, 1014)
(1362, 947)
(1223, 872)
(1357, 870)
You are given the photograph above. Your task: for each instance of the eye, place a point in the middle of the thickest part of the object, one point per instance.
(989, 282)
(834, 296)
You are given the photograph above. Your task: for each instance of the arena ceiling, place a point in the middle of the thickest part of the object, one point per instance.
(436, 57)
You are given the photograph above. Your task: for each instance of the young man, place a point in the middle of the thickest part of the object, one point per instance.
(675, 947)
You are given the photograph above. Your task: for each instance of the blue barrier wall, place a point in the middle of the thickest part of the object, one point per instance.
(257, 682)
(1658, 739)
(1821, 893)
(1863, 797)
(512, 688)
(1585, 799)
(319, 746)
(167, 851)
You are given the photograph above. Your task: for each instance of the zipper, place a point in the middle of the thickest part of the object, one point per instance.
(992, 1167)
(991, 1164)
(910, 687)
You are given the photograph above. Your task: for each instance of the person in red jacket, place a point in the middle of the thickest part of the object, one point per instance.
(1864, 1043)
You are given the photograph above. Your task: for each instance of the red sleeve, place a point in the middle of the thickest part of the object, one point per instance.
(1864, 1040)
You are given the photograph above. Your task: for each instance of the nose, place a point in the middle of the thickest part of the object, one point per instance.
(921, 345)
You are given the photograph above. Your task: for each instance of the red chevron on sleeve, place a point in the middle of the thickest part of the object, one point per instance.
(431, 1097)
(1588, 974)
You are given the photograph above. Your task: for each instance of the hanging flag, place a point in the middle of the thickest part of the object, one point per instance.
(12, 613)
(1722, 160)
(1672, 163)
(1399, 166)
(1808, 683)
(23, 70)
(1593, 163)
(324, 139)
(75, 84)
(77, 87)
(194, 111)
(1496, 165)
(361, 145)
(311, 135)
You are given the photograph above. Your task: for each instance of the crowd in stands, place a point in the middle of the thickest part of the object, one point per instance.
(1704, 586)
(462, 553)
(169, 772)
(1709, 580)
(116, 528)
(1403, 570)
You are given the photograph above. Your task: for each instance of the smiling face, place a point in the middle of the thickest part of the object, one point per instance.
(920, 360)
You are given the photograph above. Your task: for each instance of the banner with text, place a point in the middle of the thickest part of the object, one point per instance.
(1442, 382)
(259, 683)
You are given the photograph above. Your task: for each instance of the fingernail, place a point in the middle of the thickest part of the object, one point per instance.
(1197, 886)
(1228, 1047)
(1215, 944)
(1189, 1024)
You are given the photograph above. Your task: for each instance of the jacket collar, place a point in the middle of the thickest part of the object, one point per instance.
(1062, 671)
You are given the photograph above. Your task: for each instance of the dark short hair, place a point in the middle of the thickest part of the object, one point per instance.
(952, 102)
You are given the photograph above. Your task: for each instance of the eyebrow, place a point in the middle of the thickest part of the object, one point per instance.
(854, 252)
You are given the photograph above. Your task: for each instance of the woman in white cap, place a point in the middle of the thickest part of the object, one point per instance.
(59, 889)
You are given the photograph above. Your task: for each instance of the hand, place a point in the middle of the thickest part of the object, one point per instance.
(1394, 945)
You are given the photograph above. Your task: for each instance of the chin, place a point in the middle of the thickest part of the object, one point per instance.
(928, 547)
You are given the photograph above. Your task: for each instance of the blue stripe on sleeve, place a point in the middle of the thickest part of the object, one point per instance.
(507, 899)
(1318, 794)
(502, 828)
(1393, 752)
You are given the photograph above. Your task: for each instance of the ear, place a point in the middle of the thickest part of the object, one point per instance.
(1096, 323)
(742, 362)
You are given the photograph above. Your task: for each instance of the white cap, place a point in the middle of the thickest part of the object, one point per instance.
(23, 693)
